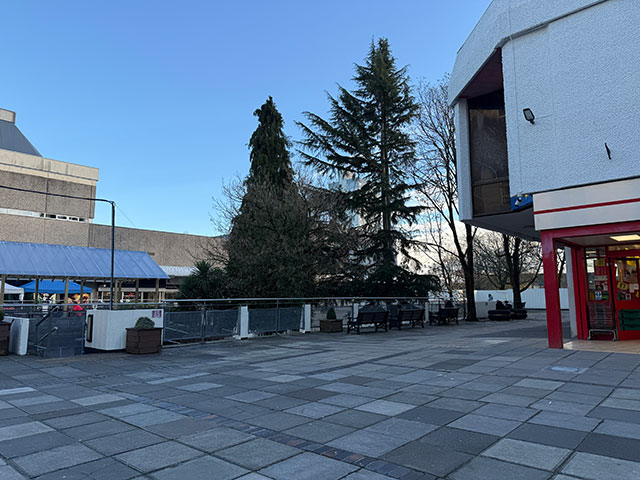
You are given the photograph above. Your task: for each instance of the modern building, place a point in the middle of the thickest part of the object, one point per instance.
(546, 95)
(51, 219)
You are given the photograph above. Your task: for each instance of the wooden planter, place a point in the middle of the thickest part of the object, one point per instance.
(330, 326)
(143, 341)
(5, 329)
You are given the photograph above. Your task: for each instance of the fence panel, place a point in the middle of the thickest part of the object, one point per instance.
(263, 320)
(290, 318)
(60, 335)
(183, 326)
(221, 323)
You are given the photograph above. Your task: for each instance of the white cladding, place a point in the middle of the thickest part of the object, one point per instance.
(576, 65)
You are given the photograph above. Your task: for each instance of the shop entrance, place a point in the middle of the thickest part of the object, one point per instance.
(625, 292)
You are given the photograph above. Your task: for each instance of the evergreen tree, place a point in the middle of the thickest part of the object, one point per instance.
(367, 138)
(268, 249)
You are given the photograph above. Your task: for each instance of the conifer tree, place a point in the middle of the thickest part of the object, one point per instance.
(367, 139)
(268, 246)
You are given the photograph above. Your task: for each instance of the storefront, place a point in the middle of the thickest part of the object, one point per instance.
(605, 273)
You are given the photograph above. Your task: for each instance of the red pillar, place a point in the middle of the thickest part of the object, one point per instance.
(551, 290)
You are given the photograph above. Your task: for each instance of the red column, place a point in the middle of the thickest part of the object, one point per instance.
(551, 290)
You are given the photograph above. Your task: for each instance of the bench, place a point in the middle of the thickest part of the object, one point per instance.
(378, 318)
(413, 316)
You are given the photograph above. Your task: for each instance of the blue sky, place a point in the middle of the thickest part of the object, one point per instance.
(159, 95)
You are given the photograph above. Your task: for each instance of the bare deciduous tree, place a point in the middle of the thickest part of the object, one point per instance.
(436, 176)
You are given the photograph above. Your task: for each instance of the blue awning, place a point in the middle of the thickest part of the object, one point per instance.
(53, 286)
(30, 260)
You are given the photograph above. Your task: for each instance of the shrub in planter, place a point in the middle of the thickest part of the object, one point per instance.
(5, 330)
(331, 324)
(144, 338)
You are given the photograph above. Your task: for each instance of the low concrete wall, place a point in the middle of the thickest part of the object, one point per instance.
(533, 296)
(107, 328)
(19, 335)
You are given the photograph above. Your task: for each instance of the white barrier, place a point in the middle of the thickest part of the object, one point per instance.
(107, 329)
(534, 297)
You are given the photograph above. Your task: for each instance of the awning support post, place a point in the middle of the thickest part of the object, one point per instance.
(4, 280)
(66, 292)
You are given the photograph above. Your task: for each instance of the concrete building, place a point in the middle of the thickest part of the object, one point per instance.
(37, 218)
(546, 95)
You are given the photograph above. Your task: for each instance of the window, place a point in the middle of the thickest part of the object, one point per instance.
(488, 153)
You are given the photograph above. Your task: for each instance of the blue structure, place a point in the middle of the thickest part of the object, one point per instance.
(54, 287)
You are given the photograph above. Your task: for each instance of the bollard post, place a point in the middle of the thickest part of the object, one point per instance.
(306, 318)
(243, 319)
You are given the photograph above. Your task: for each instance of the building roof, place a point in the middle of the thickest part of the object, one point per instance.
(11, 138)
(30, 260)
(173, 271)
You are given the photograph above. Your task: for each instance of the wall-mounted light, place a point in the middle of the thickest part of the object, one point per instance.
(529, 116)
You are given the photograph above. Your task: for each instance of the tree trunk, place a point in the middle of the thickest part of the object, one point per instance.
(469, 283)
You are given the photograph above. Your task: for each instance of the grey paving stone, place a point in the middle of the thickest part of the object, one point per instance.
(482, 424)
(76, 420)
(573, 422)
(127, 410)
(620, 429)
(508, 412)
(95, 430)
(366, 475)
(216, 439)
(309, 466)
(562, 407)
(157, 456)
(455, 404)
(411, 398)
(23, 430)
(312, 394)
(281, 402)
(586, 389)
(611, 446)
(489, 468)
(278, 421)
(40, 463)
(178, 428)
(250, 396)
(367, 442)
(37, 400)
(8, 473)
(543, 457)
(384, 407)
(319, 431)
(597, 467)
(257, 454)
(206, 467)
(546, 435)
(346, 400)
(428, 458)
(460, 440)
(18, 447)
(403, 429)
(103, 469)
(509, 399)
(355, 418)
(315, 410)
(199, 387)
(433, 416)
(253, 476)
(97, 399)
(154, 417)
(123, 442)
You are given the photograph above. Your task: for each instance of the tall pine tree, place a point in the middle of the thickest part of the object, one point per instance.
(367, 137)
(268, 246)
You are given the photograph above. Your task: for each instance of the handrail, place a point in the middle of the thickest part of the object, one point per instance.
(53, 330)
(54, 309)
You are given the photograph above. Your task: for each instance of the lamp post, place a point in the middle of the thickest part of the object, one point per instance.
(113, 224)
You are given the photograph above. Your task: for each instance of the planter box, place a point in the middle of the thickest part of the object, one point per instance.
(330, 326)
(143, 341)
(5, 330)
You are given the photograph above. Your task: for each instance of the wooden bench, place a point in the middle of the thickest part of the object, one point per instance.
(413, 316)
(378, 318)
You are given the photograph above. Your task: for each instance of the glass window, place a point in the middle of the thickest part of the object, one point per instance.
(488, 154)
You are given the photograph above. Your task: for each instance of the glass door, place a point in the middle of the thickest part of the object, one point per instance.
(626, 294)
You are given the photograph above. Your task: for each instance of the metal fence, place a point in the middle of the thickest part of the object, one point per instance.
(57, 330)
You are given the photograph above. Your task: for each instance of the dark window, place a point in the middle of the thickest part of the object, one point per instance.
(488, 152)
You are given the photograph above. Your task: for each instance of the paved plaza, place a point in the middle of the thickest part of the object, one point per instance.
(475, 401)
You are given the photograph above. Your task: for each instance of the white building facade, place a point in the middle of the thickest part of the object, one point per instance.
(546, 95)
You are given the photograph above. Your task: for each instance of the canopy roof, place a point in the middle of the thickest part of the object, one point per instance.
(39, 260)
(53, 286)
(11, 290)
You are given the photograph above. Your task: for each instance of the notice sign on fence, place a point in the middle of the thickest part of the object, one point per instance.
(156, 314)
